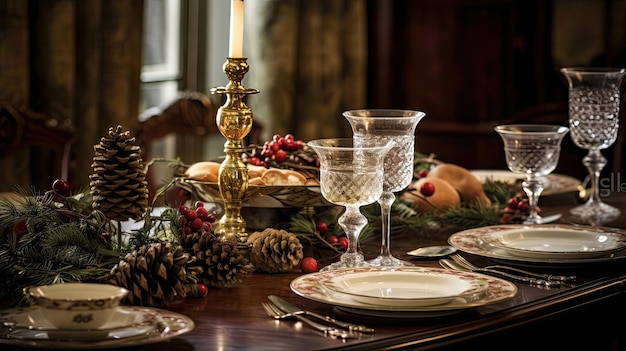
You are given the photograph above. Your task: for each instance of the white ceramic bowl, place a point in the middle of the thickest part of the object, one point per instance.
(77, 306)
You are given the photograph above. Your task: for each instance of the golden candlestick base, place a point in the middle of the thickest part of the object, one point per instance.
(234, 120)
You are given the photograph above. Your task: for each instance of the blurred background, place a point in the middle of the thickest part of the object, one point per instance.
(77, 68)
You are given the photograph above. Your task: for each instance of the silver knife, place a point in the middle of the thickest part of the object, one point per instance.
(290, 308)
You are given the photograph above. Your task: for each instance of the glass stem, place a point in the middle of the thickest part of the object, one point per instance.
(533, 188)
(386, 201)
(352, 222)
(595, 162)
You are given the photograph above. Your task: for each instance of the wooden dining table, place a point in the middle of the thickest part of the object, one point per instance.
(587, 315)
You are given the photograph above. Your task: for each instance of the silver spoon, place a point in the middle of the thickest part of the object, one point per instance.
(433, 251)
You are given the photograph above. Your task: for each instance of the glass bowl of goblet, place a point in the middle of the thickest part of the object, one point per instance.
(532, 150)
(399, 126)
(594, 98)
(351, 175)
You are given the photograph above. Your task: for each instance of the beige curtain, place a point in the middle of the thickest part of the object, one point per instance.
(309, 61)
(78, 61)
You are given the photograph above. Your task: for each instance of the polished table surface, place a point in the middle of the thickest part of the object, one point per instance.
(586, 316)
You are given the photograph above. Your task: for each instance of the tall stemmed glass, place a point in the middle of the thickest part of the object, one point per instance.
(532, 150)
(594, 96)
(351, 175)
(399, 126)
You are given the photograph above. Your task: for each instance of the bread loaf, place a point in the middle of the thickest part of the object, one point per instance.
(275, 176)
(444, 197)
(205, 171)
(469, 187)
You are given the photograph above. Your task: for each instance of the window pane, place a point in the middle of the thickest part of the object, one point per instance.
(162, 28)
(156, 95)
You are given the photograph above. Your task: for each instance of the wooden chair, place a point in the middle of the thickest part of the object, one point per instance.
(191, 114)
(48, 139)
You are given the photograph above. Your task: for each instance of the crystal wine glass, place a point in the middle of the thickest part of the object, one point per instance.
(351, 175)
(399, 126)
(594, 96)
(532, 150)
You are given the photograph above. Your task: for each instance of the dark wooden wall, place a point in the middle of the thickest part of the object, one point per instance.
(470, 65)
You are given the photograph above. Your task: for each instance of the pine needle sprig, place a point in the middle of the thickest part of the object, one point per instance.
(471, 216)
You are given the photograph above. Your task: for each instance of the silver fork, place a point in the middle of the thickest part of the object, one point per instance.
(533, 281)
(549, 277)
(275, 313)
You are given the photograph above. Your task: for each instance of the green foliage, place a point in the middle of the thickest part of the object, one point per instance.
(48, 239)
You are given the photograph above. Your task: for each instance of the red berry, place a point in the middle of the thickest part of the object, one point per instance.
(523, 206)
(253, 160)
(280, 156)
(512, 203)
(182, 209)
(308, 265)
(202, 289)
(344, 242)
(427, 189)
(191, 215)
(176, 196)
(188, 230)
(274, 146)
(422, 174)
(61, 187)
(199, 290)
(210, 218)
(331, 239)
(20, 228)
(321, 227)
(196, 224)
(199, 204)
(509, 209)
(202, 213)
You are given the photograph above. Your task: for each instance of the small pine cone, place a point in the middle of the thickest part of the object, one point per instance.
(118, 184)
(220, 263)
(155, 274)
(275, 250)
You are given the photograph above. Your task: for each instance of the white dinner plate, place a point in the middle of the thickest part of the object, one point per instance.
(310, 286)
(554, 183)
(476, 241)
(412, 289)
(130, 326)
(560, 243)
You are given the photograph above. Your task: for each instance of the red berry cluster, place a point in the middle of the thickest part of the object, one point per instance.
(276, 150)
(197, 217)
(515, 211)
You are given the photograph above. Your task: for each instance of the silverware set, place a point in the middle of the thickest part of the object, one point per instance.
(280, 309)
(548, 281)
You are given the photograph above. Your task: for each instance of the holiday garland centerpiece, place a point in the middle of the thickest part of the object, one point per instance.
(54, 236)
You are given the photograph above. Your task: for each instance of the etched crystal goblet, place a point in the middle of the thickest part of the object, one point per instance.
(532, 150)
(594, 97)
(399, 126)
(351, 175)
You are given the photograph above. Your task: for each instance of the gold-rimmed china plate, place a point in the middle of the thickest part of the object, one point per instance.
(411, 289)
(488, 242)
(310, 286)
(129, 326)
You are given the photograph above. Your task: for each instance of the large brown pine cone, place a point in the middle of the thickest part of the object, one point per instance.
(118, 184)
(155, 274)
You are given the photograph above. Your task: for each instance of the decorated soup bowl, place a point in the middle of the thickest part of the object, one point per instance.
(77, 306)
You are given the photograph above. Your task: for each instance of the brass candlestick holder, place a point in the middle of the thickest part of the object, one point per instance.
(234, 120)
